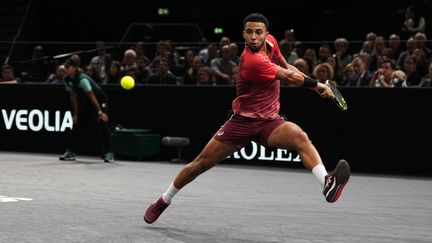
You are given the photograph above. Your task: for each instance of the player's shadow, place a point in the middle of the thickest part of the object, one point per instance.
(191, 236)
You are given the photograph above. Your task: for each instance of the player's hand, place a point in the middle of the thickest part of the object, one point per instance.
(323, 90)
(103, 117)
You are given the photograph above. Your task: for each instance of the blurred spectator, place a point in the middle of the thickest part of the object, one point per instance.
(39, 66)
(343, 57)
(164, 49)
(303, 66)
(208, 53)
(399, 79)
(142, 70)
(411, 45)
(58, 76)
(323, 72)
(368, 51)
(395, 45)
(426, 81)
(90, 71)
(379, 52)
(421, 39)
(364, 75)
(129, 61)
(337, 72)
(224, 41)
(234, 52)
(234, 75)
(8, 76)
(348, 75)
(205, 76)
(114, 73)
(324, 53)
(223, 66)
(383, 75)
(410, 69)
(420, 59)
(162, 75)
(98, 61)
(287, 46)
(191, 73)
(414, 21)
(311, 57)
(140, 51)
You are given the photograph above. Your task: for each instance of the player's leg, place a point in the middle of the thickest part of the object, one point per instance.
(214, 152)
(289, 135)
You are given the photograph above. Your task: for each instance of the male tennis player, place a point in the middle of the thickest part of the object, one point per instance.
(256, 117)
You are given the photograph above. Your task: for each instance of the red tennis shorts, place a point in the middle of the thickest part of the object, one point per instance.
(240, 130)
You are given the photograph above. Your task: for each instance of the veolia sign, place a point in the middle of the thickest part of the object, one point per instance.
(36, 120)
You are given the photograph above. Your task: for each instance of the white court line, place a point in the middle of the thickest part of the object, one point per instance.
(14, 199)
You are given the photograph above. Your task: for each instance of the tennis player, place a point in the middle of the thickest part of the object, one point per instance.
(256, 117)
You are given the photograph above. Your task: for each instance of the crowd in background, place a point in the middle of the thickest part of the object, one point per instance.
(401, 59)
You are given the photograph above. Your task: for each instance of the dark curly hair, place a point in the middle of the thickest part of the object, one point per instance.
(256, 17)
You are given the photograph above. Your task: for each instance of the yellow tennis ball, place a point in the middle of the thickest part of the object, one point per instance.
(127, 82)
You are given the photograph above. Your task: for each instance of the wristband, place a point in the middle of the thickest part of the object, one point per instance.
(309, 82)
(99, 112)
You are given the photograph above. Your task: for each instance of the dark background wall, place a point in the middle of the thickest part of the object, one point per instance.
(383, 131)
(50, 22)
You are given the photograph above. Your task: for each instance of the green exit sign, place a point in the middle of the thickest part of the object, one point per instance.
(218, 30)
(163, 11)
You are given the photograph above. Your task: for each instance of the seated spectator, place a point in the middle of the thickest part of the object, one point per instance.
(90, 70)
(426, 81)
(311, 57)
(348, 75)
(39, 67)
(360, 68)
(114, 73)
(384, 74)
(190, 75)
(57, 76)
(8, 76)
(205, 76)
(414, 21)
(303, 66)
(399, 79)
(142, 70)
(223, 66)
(163, 74)
(342, 55)
(323, 72)
(98, 62)
(410, 69)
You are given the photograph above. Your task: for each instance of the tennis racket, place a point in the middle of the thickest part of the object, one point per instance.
(336, 96)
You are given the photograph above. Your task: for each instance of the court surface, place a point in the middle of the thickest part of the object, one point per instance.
(43, 199)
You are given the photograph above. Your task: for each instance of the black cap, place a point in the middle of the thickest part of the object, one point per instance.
(70, 62)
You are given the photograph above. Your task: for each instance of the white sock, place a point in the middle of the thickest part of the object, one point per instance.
(320, 172)
(169, 194)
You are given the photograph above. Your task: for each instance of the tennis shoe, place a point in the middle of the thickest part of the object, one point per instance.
(155, 210)
(68, 156)
(336, 181)
(109, 157)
